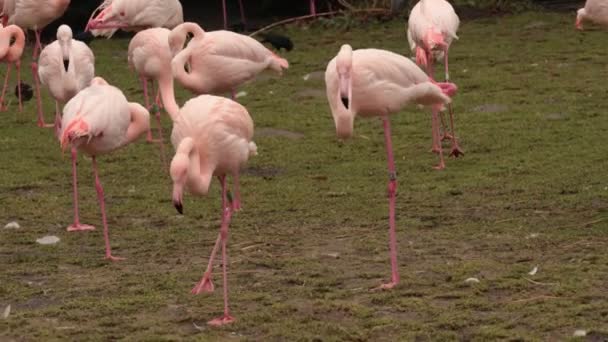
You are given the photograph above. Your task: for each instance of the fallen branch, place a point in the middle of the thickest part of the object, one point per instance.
(539, 283)
(533, 299)
(311, 16)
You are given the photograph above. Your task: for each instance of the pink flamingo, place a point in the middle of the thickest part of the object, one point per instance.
(432, 27)
(99, 120)
(11, 54)
(35, 15)
(373, 83)
(67, 66)
(212, 137)
(219, 61)
(150, 56)
(595, 11)
(134, 15)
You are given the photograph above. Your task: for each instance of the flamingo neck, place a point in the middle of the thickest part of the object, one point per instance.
(167, 94)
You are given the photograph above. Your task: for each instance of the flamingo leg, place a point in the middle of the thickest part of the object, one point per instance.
(313, 8)
(18, 67)
(428, 56)
(6, 77)
(456, 151)
(392, 190)
(76, 226)
(225, 14)
(158, 106)
(102, 207)
(243, 19)
(436, 137)
(144, 83)
(57, 123)
(236, 203)
(226, 215)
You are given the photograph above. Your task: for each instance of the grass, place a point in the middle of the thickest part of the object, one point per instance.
(311, 241)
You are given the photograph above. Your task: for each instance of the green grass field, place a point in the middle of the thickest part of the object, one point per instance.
(312, 241)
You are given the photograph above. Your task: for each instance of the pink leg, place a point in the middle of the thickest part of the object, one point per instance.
(243, 19)
(206, 284)
(456, 151)
(225, 14)
(436, 138)
(37, 83)
(144, 82)
(102, 206)
(18, 67)
(431, 73)
(313, 8)
(77, 226)
(236, 203)
(392, 190)
(227, 213)
(8, 72)
(57, 120)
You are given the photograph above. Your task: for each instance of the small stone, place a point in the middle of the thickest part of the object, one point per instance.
(12, 225)
(332, 255)
(472, 281)
(241, 94)
(48, 240)
(579, 333)
(534, 270)
(7, 311)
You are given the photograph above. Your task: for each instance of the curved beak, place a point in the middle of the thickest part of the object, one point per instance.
(177, 199)
(345, 90)
(179, 207)
(66, 64)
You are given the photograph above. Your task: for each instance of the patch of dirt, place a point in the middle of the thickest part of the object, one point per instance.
(491, 108)
(310, 94)
(556, 116)
(37, 303)
(276, 132)
(266, 172)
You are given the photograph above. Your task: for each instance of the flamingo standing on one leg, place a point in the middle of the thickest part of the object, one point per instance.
(11, 54)
(150, 56)
(373, 83)
(595, 11)
(35, 15)
(219, 61)
(134, 15)
(212, 137)
(99, 120)
(432, 27)
(66, 66)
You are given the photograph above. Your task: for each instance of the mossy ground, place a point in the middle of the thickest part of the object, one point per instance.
(311, 242)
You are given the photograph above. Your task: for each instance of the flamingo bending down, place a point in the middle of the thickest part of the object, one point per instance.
(150, 56)
(134, 15)
(66, 66)
(212, 137)
(35, 15)
(99, 120)
(370, 83)
(432, 27)
(11, 54)
(595, 11)
(219, 61)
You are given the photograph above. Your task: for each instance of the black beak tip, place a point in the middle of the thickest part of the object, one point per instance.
(179, 207)
(66, 64)
(345, 102)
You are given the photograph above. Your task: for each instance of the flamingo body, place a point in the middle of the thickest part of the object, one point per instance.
(219, 60)
(11, 54)
(34, 14)
(595, 11)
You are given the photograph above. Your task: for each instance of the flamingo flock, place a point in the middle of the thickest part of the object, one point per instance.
(212, 134)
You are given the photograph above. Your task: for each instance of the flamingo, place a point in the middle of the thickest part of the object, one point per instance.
(11, 54)
(371, 82)
(432, 27)
(219, 61)
(212, 136)
(150, 56)
(67, 66)
(99, 120)
(34, 15)
(595, 11)
(134, 15)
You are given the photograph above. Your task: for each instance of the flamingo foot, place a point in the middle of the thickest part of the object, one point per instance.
(388, 286)
(217, 322)
(79, 227)
(151, 140)
(42, 124)
(435, 149)
(456, 151)
(439, 166)
(446, 136)
(113, 258)
(205, 285)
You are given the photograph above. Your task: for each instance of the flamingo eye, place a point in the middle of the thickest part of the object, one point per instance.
(122, 14)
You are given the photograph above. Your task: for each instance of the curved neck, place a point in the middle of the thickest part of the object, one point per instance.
(177, 37)
(140, 122)
(197, 181)
(189, 80)
(167, 94)
(16, 49)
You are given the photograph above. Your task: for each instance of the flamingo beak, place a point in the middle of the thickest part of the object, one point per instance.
(66, 64)
(179, 207)
(345, 90)
(177, 198)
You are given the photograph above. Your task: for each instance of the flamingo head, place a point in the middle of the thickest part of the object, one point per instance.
(580, 16)
(64, 37)
(111, 15)
(179, 175)
(76, 133)
(344, 66)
